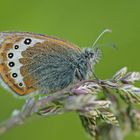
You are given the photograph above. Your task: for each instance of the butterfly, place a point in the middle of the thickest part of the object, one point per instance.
(35, 63)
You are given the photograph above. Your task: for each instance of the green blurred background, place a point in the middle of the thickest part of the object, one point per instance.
(79, 21)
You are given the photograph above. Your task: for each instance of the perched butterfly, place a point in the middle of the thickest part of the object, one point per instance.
(34, 63)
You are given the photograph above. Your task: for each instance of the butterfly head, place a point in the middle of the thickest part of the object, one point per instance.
(88, 58)
(86, 62)
(92, 54)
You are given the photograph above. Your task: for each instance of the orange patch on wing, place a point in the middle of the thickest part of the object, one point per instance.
(10, 82)
(6, 75)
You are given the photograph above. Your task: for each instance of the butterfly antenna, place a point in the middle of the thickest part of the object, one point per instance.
(102, 33)
(94, 44)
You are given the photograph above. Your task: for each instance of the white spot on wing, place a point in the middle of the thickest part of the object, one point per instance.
(18, 54)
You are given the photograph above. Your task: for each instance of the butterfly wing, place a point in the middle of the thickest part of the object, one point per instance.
(32, 63)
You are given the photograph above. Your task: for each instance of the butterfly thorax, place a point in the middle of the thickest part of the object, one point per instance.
(86, 62)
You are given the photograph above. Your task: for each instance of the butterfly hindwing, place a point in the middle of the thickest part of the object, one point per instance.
(31, 62)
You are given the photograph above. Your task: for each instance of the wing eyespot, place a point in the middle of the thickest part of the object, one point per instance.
(14, 75)
(27, 41)
(10, 55)
(11, 64)
(20, 84)
(16, 47)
